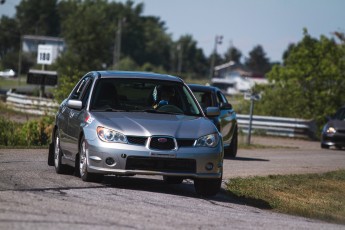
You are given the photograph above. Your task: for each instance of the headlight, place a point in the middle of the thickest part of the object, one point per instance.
(210, 140)
(109, 135)
(331, 130)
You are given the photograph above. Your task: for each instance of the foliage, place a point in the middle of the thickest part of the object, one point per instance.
(318, 196)
(233, 54)
(31, 133)
(308, 84)
(257, 61)
(8, 132)
(9, 36)
(67, 81)
(38, 17)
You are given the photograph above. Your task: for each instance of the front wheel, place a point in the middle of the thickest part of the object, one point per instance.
(207, 187)
(84, 174)
(323, 146)
(232, 149)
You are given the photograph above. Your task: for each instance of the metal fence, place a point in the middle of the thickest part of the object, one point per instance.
(31, 105)
(278, 126)
(274, 126)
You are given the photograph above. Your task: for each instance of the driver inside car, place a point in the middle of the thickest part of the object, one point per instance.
(163, 95)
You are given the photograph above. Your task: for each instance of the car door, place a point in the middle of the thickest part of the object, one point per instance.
(76, 117)
(226, 118)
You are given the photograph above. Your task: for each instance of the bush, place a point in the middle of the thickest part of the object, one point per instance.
(8, 132)
(31, 133)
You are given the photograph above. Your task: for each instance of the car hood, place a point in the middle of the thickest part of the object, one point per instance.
(337, 124)
(148, 124)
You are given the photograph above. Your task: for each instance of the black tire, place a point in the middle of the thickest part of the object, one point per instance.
(82, 165)
(51, 154)
(59, 167)
(207, 187)
(173, 179)
(231, 151)
(323, 146)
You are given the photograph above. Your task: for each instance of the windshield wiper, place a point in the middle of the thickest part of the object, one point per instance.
(157, 111)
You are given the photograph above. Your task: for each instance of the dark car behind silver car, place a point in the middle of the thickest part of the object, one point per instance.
(128, 123)
(226, 121)
(333, 133)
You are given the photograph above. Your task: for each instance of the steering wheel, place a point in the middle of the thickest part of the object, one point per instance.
(170, 109)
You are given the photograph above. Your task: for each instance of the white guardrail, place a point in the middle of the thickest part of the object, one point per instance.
(278, 126)
(275, 126)
(31, 105)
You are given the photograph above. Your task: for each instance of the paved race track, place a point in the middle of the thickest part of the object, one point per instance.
(33, 196)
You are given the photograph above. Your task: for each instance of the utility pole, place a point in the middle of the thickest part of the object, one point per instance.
(117, 44)
(179, 58)
(217, 41)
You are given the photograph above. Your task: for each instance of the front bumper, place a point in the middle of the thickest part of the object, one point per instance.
(129, 159)
(337, 139)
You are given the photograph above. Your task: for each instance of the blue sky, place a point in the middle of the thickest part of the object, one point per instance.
(274, 24)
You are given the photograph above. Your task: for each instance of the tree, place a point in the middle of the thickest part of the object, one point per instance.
(189, 58)
(257, 61)
(233, 54)
(9, 43)
(38, 17)
(9, 36)
(308, 85)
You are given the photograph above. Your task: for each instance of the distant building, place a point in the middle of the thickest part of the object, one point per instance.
(234, 78)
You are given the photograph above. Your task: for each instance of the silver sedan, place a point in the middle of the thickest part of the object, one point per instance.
(128, 123)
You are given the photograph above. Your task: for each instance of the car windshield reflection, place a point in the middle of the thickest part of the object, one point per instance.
(138, 95)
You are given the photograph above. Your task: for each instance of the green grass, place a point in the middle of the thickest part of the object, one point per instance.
(319, 196)
(8, 83)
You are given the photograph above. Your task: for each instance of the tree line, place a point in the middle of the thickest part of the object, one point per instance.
(309, 83)
(92, 30)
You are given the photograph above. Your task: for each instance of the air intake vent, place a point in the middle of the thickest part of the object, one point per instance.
(162, 143)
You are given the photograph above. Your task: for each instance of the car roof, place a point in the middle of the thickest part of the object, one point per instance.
(135, 75)
(203, 88)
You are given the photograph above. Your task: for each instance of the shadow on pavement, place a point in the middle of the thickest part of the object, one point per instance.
(244, 159)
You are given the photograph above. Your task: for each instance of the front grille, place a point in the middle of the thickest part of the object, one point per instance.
(162, 143)
(161, 164)
(136, 140)
(185, 142)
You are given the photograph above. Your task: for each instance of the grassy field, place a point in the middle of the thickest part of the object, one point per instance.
(319, 196)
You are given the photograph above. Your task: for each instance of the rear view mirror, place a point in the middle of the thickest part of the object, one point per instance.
(212, 111)
(75, 104)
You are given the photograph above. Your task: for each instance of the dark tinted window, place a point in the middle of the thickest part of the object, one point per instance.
(204, 98)
(78, 92)
(142, 94)
(340, 115)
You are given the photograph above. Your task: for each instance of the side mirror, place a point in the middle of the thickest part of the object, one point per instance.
(75, 104)
(224, 106)
(212, 111)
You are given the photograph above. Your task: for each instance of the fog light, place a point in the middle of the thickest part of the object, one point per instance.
(109, 161)
(209, 166)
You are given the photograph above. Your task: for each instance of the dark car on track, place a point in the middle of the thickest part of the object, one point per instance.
(333, 133)
(226, 121)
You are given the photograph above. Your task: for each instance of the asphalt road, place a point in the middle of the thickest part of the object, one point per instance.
(33, 196)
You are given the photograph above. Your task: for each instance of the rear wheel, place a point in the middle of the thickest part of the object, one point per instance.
(172, 179)
(207, 187)
(84, 174)
(232, 149)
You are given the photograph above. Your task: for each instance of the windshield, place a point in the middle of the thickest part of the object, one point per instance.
(143, 95)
